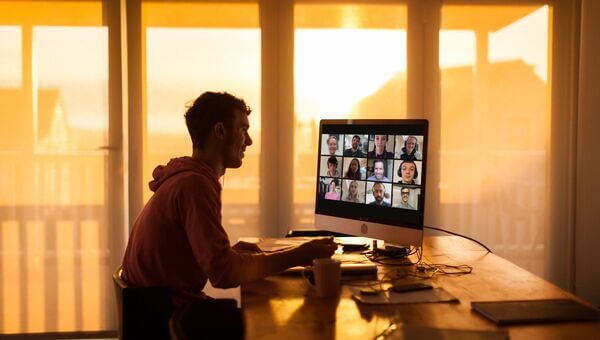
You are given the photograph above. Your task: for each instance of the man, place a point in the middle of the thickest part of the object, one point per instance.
(178, 240)
(355, 150)
(378, 171)
(379, 151)
(408, 172)
(410, 150)
(332, 170)
(378, 190)
(405, 195)
(332, 144)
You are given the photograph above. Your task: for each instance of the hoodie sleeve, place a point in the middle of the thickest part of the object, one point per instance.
(199, 205)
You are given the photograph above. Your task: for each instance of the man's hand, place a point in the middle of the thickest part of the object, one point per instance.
(318, 248)
(246, 247)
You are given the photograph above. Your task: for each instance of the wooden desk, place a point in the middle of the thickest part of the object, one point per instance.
(283, 307)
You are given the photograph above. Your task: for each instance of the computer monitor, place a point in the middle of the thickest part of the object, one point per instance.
(371, 179)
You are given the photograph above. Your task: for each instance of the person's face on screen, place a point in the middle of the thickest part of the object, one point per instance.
(355, 142)
(353, 188)
(410, 144)
(408, 172)
(380, 141)
(378, 170)
(332, 187)
(354, 166)
(405, 194)
(237, 140)
(332, 144)
(378, 192)
(332, 167)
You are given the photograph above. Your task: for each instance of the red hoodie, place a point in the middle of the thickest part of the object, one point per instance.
(178, 240)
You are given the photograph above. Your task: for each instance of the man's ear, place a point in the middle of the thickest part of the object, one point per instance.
(219, 130)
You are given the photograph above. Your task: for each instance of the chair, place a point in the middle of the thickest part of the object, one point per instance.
(143, 312)
(208, 319)
(148, 313)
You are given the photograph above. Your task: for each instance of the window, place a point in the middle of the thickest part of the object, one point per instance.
(350, 62)
(192, 48)
(493, 62)
(54, 273)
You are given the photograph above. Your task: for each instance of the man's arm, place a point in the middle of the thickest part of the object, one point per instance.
(257, 266)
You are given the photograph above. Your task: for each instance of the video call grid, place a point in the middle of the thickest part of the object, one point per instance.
(393, 160)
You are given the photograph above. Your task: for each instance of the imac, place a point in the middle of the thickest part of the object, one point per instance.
(371, 179)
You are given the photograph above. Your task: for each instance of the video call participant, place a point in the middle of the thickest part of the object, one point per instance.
(378, 171)
(352, 195)
(332, 144)
(378, 190)
(408, 172)
(178, 240)
(332, 193)
(354, 169)
(380, 148)
(332, 170)
(405, 195)
(410, 151)
(355, 150)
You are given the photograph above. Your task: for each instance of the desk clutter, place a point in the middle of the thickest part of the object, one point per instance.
(389, 296)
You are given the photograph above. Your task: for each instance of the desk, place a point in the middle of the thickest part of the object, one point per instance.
(283, 307)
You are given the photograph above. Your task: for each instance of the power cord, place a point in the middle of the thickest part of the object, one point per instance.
(457, 234)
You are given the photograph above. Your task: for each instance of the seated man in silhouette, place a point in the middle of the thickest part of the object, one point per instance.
(178, 239)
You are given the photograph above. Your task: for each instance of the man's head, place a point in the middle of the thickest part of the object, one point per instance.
(411, 143)
(378, 169)
(380, 141)
(332, 163)
(220, 119)
(355, 142)
(408, 171)
(405, 193)
(378, 192)
(332, 144)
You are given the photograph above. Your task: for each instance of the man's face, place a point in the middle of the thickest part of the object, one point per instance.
(332, 144)
(410, 144)
(378, 170)
(236, 139)
(355, 142)
(380, 141)
(405, 195)
(378, 191)
(408, 172)
(332, 167)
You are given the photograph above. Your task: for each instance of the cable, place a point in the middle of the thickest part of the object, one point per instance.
(463, 236)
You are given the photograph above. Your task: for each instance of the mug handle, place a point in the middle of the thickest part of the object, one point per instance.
(309, 278)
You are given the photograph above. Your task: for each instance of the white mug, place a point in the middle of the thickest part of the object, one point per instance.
(327, 273)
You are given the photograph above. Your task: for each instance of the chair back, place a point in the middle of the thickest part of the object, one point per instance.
(143, 312)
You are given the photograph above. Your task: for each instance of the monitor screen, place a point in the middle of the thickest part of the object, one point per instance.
(371, 178)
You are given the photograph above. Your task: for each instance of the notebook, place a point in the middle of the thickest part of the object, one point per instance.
(533, 311)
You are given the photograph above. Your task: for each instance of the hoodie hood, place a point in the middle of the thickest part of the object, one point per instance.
(178, 165)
